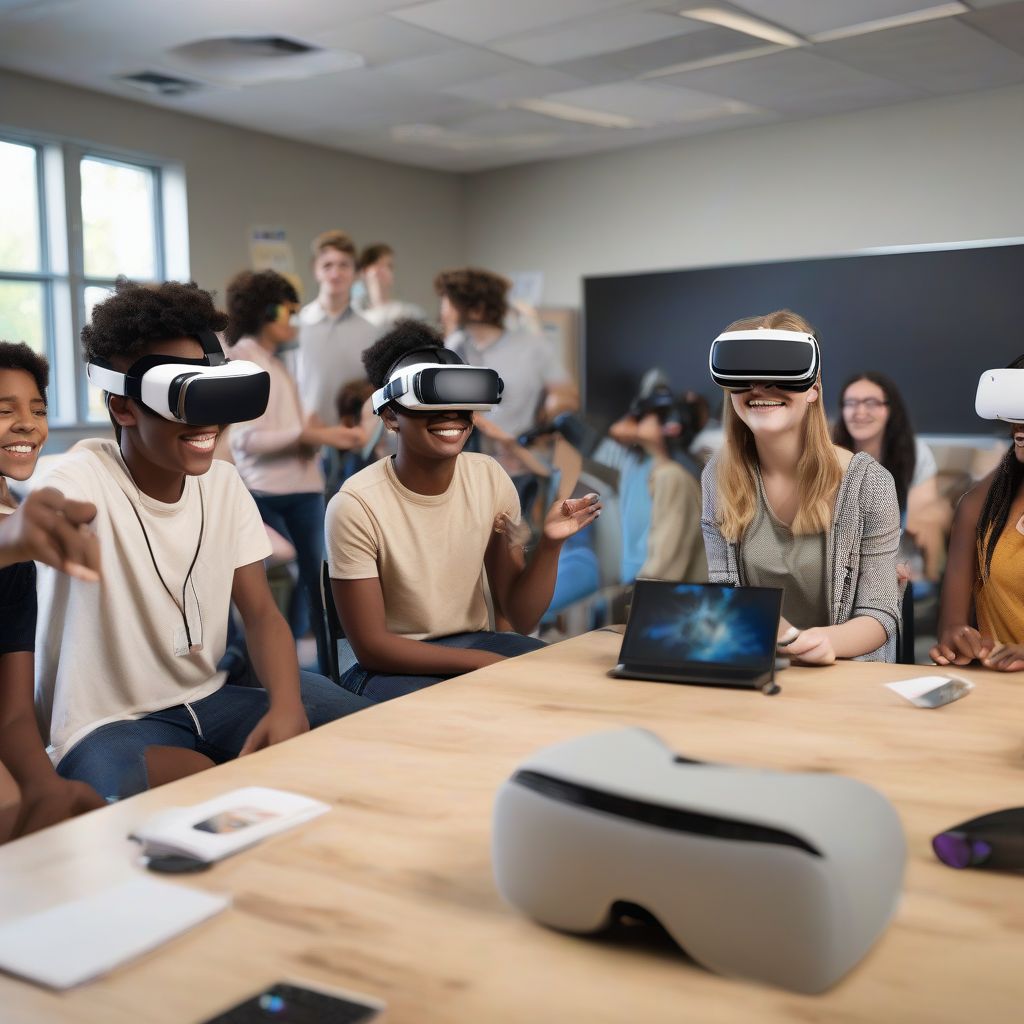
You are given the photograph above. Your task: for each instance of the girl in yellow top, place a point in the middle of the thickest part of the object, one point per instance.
(986, 555)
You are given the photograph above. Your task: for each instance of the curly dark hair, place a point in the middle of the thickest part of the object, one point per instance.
(137, 315)
(253, 298)
(21, 357)
(372, 253)
(405, 336)
(996, 510)
(472, 290)
(899, 455)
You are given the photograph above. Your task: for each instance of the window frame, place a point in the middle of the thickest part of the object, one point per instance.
(62, 253)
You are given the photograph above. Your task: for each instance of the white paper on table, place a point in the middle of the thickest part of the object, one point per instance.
(77, 941)
(932, 691)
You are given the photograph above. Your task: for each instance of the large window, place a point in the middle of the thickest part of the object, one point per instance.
(71, 221)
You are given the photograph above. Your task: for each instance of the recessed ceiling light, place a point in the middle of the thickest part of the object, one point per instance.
(581, 115)
(711, 62)
(745, 23)
(896, 21)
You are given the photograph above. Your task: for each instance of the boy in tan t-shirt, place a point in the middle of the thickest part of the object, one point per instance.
(410, 538)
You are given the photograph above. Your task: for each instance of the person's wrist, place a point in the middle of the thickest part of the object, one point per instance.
(550, 544)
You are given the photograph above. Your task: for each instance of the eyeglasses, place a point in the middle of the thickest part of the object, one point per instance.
(991, 841)
(870, 404)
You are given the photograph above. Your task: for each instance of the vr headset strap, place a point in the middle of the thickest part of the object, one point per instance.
(113, 382)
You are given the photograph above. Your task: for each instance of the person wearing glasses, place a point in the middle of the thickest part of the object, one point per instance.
(874, 419)
(276, 455)
(785, 507)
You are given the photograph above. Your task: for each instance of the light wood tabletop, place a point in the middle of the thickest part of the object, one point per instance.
(391, 893)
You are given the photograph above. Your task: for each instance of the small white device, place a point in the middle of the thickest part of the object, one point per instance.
(1001, 395)
(783, 878)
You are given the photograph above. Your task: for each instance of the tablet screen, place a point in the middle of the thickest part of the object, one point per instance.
(685, 623)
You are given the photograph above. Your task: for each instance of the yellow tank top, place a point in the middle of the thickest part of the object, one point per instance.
(999, 602)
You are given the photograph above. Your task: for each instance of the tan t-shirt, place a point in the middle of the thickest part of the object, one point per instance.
(107, 651)
(427, 550)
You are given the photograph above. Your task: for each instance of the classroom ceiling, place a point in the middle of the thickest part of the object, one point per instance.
(468, 85)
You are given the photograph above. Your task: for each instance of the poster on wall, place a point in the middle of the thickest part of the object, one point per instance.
(269, 249)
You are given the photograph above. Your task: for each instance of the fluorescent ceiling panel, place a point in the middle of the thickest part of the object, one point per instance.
(515, 85)
(794, 82)
(938, 57)
(740, 22)
(812, 17)
(946, 10)
(589, 37)
(480, 21)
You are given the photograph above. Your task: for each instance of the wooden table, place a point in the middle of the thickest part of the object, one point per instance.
(392, 893)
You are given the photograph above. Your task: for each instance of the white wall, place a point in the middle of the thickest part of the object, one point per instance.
(238, 178)
(939, 170)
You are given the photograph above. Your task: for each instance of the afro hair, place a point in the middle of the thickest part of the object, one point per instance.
(253, 298)
(406, 336)
(21, 357)
(138, 315)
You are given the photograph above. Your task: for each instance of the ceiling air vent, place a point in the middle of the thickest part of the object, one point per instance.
(159, 84)
(253, 60)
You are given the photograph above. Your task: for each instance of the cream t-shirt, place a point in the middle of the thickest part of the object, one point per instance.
(427, 550)
(116, 649)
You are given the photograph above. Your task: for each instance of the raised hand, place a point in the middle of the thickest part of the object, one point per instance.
(567, 517)
(52, 529)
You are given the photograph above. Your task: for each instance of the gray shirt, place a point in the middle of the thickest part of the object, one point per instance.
(860, 549)
(526, 363)
(773, 556)
(330, 354)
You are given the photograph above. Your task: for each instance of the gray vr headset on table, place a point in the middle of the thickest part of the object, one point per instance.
(439, 384)
(739, 360)
(204, 391)
(782, 877)
(1001, 395)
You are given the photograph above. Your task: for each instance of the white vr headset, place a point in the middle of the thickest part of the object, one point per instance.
(788, 359)
(784, 878)
(211, 390)
(1001, 395)
(441, 384)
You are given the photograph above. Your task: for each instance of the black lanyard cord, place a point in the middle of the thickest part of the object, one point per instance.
(188, 575)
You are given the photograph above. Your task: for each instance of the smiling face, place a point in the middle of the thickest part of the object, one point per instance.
(865, 412)
(430, 436)
(23, 425)
(164, 444)
(771, 410)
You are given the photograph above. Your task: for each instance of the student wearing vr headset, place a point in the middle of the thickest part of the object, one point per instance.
(276, 454)
(127, 676)
(981, 611)
(47, 528)
(784, 507)
(410, 538)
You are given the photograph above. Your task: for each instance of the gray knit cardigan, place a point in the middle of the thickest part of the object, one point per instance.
(860, 551)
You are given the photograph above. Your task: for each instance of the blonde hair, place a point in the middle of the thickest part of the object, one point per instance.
(819, 472)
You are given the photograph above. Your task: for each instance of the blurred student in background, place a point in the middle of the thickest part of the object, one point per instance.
(874, 419)
(376, 288)
(277, 454)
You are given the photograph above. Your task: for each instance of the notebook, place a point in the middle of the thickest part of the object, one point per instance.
(74, 942)
(702, 633)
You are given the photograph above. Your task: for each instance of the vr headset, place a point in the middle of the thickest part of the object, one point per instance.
(781, 877)
(213, 389)
(788, 359)
(440, 384)
(1001, 395)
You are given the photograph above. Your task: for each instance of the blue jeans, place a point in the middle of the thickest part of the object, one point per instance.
(112, 758)
(300, 519)
(381, 686)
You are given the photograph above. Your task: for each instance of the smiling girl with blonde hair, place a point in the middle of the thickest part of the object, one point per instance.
(784, 507)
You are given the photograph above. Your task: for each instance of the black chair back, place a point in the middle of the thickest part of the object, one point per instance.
(332, 623)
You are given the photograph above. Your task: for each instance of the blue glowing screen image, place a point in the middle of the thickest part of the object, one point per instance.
(674, 623)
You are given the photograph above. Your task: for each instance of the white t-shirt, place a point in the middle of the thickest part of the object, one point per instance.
(106, 651)
(925, 466)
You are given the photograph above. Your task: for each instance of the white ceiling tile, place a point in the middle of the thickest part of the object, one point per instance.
(794, 82)
(648, 103)
(479, 21)
(1004, 25)
(523, 83)
(591, 36)
(810, 18)
(518, 122)
(382, 40)
(453, 67)
(938, 57)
